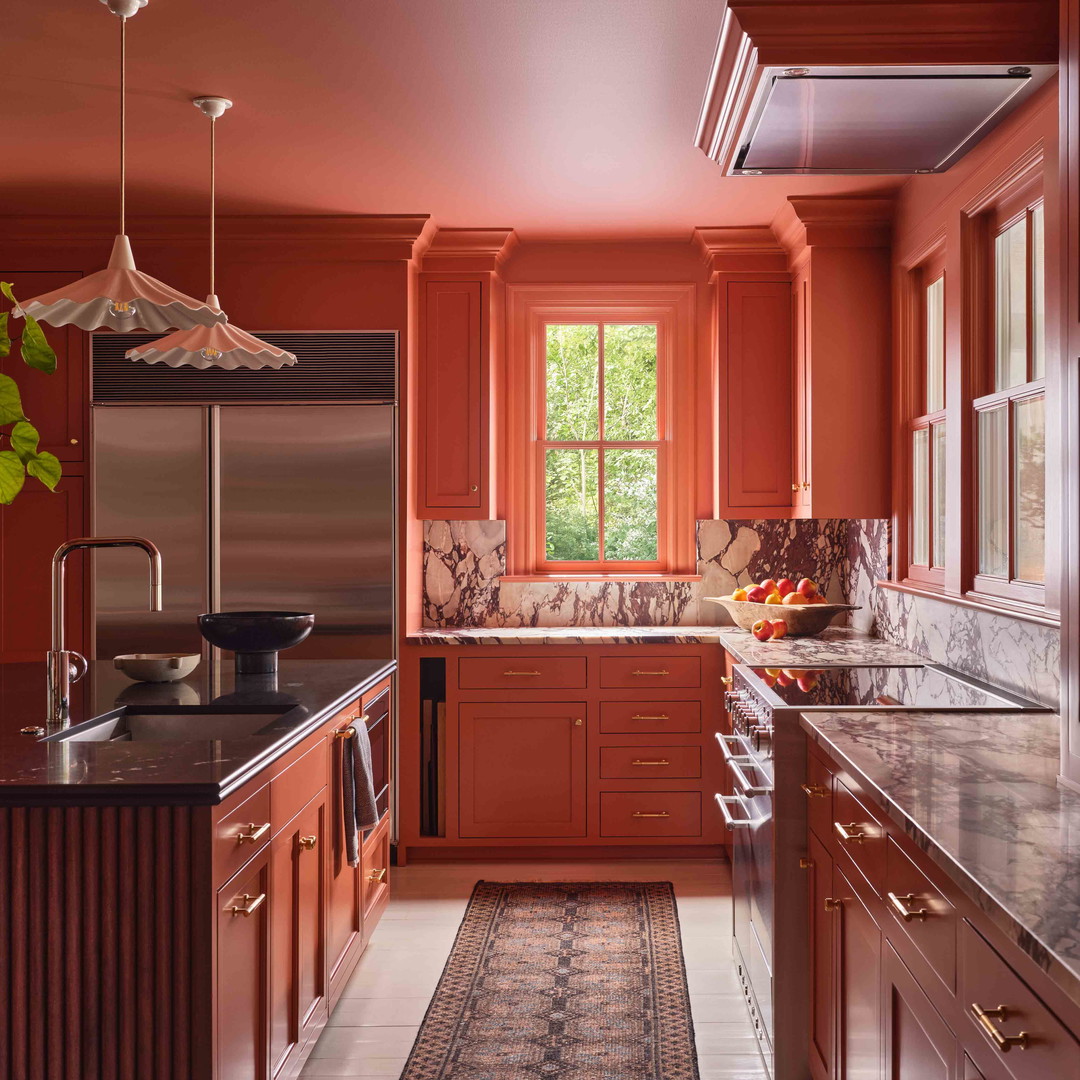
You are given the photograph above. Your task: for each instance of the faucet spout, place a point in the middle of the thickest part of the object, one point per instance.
(65, 666)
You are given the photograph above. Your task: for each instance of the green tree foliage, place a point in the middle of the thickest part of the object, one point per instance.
(573, 416)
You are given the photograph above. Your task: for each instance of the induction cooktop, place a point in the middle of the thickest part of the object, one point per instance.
(928, 686)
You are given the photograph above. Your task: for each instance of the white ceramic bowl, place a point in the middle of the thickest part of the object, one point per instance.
(157, 667)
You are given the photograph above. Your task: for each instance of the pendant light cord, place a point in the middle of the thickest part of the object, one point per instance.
(123, 124)
(213, 200)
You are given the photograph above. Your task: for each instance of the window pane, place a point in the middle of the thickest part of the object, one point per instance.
(1030, 493)
(1038, 296)
(629, 382)
(935, 346)
(572, 523)
(630, 505)
(939, 494)
(573, 383)
(920, 497)
(1010, 306)
(993, 492)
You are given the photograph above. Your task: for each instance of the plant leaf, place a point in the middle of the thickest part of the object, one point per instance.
(24, 440)
(5, 288)
(5, 337)
(46, 468)
(10, 401)
(12, 476)
(36, 351)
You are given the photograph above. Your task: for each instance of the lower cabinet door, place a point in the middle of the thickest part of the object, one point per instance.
(822, 933)
(521, 769)
(242, 973)
(918, 1043)
(859, 970)
(375, 876)
(343, 920)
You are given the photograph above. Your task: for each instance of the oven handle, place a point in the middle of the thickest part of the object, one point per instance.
(742, 743)
(734, 822)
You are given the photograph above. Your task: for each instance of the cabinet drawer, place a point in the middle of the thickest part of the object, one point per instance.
(987, 982)
(521, 672)
(650, 813)
(925, 919)
(649, 717)
(819, 797)
(375, 871)
(240, 833)
(635, 672)
(858, 832)
(298, 785)
(635, 762)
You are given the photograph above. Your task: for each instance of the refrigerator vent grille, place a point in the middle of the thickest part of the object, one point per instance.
(341, 367)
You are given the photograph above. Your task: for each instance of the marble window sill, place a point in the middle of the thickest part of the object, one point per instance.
(976, 602)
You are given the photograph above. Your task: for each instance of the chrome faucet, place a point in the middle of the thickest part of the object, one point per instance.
(65, 666)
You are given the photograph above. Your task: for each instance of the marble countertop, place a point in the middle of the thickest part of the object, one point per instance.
(978, 793)
(568, 635)
(178, 772)
(834, 645)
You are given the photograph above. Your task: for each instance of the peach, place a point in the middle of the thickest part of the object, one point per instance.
(779, 629)
(769, 585)
(739, 594)
(774, 598)
(785, 586)
(762, 630)
(756, 595)
(807, 587)
(784, 680)
(808, 681)
(796, 598)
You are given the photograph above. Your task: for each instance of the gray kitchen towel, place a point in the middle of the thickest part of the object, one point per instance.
(357, 790)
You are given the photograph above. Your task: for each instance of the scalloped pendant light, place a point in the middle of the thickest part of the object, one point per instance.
(120, 297)
(222, 345)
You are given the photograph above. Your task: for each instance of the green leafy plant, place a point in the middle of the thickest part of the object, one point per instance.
(22, 458)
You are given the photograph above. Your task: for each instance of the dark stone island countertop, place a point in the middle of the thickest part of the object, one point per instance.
(978, 792)
(73, 773)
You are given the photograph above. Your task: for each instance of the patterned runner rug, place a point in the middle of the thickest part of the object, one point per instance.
(561, 981)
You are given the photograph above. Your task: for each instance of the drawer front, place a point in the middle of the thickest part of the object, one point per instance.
(638, 672)
(298, 785)
(650, 813)
(650, 717)
(522, 672)
(659, 762)
(240, 833)
(987, 982)
(925, 919)
(375, 870)
(819, 797)
(856, 831)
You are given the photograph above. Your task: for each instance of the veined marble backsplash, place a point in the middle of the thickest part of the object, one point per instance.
(464, 563)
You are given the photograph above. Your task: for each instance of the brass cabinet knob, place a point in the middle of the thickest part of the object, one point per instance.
(832, 903)
(727, 680)
(308, 842)
(474, 488)
(377, 877)
(253, 834)
(74, 442)
(806, 864)
(794, 487)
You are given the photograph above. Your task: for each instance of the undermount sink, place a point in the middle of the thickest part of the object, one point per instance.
(179, 724)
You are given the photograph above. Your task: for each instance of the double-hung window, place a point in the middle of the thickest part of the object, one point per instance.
(926, 543)
(1010, 413)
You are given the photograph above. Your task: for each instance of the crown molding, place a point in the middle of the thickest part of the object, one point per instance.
(468, 250)
(753, 248)
(375, 237)
(808, 221)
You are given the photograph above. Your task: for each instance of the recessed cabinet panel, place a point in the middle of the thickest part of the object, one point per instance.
(918, 1042)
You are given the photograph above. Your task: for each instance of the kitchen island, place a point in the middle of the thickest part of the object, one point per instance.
(179, 909)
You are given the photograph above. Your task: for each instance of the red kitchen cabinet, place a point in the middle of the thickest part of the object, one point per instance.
(522, 769)
(757, 358)
(859, 983)
(344, 920)
(918, 1042)
(822, 936)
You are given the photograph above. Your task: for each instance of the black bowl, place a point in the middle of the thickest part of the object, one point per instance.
(256, 636)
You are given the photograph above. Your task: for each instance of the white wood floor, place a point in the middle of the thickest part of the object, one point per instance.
(373, 1027)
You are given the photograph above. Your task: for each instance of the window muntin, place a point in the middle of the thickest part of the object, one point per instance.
(602, 445)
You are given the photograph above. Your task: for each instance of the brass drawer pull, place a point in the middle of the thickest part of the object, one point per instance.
(900, 906)
(815, 791)
(639, 716)
(727, 680)
(249, 904)
(253, 835)
(833, 903)
(344, 733)
(645, 813)
(850, 833)
(308, 842)
(651, 673)
(639, 761)
(1002, 1041)
(521, 672)
(377, 877)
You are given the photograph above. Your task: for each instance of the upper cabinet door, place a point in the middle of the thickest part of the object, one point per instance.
(453, 436)
(55, 404)
(758, 362)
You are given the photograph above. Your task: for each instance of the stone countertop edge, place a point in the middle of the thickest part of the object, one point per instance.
(1063, 969)
(568, 635)
(182, 773)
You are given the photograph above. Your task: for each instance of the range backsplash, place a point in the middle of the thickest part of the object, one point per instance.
(464, 563)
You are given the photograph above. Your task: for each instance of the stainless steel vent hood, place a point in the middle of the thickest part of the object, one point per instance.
(867, 120)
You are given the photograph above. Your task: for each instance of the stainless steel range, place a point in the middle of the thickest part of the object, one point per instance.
(765, 808)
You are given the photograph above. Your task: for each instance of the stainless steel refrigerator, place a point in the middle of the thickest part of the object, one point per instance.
(254, 507)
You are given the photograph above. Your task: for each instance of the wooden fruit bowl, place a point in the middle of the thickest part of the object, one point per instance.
(803, 620)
